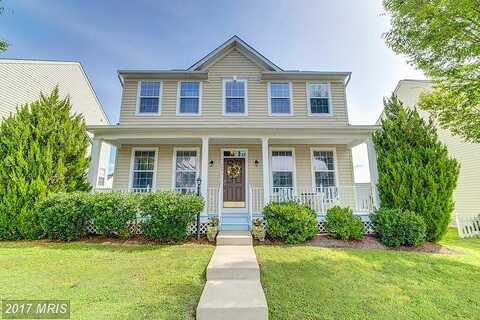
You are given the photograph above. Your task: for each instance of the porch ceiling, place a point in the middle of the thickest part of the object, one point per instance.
(143, 134)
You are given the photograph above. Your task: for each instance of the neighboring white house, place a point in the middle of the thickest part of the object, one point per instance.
(467, 193)
(252, 132)
(22, 81)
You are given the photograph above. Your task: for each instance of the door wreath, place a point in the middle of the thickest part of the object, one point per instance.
(234, 171)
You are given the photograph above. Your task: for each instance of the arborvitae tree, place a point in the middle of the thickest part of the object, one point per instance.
(43, 148)
(415, 171)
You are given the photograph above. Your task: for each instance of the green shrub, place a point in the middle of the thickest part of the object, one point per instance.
(290, 222)
(63, 215)
(111, 212)
(342, 224)
(167, 215)
(397, 227)
(415, 170)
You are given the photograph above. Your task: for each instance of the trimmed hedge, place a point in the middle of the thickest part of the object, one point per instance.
(399, 227)
(290, 222)
(167, 215)
(63, 216)
(342, 224)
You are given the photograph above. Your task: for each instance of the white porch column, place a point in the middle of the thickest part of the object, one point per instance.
(372, 164)
(94, 162)
(266, 171)
(204, 173)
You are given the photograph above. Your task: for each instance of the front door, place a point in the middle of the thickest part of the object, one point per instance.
(234, 183)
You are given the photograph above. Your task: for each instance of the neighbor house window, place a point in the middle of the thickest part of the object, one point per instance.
(143, 170)
(235, 92)
(282, 170)
(323, 169)
(319, 98)
(101, 177)
(149, 97)
(186, 170)
(189, 97)
(280, 98)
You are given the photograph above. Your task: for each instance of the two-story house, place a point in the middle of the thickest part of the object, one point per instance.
(250, 131)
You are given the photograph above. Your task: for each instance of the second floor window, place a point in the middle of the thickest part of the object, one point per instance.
(319, 98)
(235, 96)
(280, 98)
(149, 97)
(189, 99)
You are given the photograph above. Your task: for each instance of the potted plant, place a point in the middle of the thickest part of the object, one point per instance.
(258, 230)
(212, 229)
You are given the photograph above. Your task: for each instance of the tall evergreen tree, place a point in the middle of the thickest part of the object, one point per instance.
(43, 148)
(415, 171)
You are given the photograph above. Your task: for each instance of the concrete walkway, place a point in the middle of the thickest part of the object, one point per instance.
(233, 290)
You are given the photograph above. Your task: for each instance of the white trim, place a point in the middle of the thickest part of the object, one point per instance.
(155, 165)
(174, 164)
(294, 178)
(160, 94)
(189, 114)
(330, 105)
(265, 171)
(335, 164)
(269, 94)
(224, 97)
(242, 210)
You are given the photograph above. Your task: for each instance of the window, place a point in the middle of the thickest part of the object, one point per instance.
(323, 169)
(186, 170)
(319, 98)
(143, 171)
(235, 91)
(282, 170)
(280, 98)
(149, 97)
(101, 177)
(189, 97)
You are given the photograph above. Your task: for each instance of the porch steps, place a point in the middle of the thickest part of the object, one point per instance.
(233, 290)
(234, 238)
(235, 221)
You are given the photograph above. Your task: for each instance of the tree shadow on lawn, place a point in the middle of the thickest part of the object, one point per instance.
(314, 283)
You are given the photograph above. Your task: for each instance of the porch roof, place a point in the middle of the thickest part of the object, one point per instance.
(350, 135)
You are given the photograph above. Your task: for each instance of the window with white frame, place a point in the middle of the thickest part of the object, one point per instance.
(319, 98)
(189, 97)
(101, 176)
(149, 97)
(143, 169)
(282, 170)
(324, 169)
(280, 98)
(186, 170)
(235, 96)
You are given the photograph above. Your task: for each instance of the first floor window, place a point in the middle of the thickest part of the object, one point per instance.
(143, 169)
(235, 92)
(189, 97)
(101, 177)
(319, 98)
(149, 96)
(324, 169)
(282, 170)
(186, 170)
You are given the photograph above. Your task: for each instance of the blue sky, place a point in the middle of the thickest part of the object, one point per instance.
(344, 35)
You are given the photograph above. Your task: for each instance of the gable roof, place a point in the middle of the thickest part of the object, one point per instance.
(234, 41)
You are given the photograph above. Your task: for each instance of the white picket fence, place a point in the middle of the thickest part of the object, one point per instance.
(468, 225)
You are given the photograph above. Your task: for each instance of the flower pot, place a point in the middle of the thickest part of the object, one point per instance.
(258, 233)
(212, 232)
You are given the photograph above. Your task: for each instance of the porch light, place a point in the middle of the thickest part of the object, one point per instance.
(256, 162)
(210, 164)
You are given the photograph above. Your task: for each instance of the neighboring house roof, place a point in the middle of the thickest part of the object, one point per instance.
(199, 70)
(23, 80)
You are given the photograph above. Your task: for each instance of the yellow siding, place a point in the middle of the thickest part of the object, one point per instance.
(234, 63)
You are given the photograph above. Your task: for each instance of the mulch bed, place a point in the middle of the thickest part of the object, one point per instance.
(371, 242)
(139, 240)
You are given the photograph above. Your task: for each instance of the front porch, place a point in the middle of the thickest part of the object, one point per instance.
(240, 174)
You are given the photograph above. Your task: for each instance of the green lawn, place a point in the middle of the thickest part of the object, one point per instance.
(304, 282)
(107, 281)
